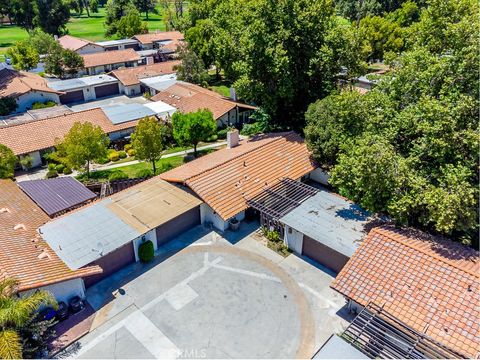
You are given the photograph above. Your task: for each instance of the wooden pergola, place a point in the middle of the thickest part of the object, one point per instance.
(380, 335)
(278, 200)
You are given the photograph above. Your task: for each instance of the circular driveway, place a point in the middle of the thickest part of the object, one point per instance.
(208, 302)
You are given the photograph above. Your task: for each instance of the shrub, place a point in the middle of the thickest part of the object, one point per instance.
(122, 154)
(222, 134)
(252, 129)
(60, 168)
(144, 173)
(146, 251)
(51, 166)
(40, 105)
(102, 161)
(26, 162)
(113, 156)
(67, 170)
(117, 175)
(212, 138)
(131, 152)
(51, 174)
(127, 147)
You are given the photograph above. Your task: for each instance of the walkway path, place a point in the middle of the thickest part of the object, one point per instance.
(40, 173)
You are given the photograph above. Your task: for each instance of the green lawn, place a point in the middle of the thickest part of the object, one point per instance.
(90, 28)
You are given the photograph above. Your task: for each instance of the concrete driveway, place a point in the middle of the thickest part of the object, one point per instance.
(217, 296)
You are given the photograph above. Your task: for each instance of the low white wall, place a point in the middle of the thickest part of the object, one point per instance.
(63, 291)
(26, 101)
(293, 239)
(130, 90)
(120, 134)
(320, 176)
(151, 235)
(207, 215)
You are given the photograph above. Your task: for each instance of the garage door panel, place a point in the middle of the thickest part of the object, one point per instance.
(111, 263)
(175, 227)
(72, 96)
(106, 90)
(323, 254)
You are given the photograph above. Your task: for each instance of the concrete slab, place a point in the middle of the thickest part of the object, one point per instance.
(213, 295)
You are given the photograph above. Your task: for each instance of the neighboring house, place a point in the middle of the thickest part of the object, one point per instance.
(112, 45)
(130, 78)
(32, 115)
(80, 46)
(168, 40)
(109, 60)
(25, 256)
(35, 138)
(428, 286)
(26, 88)
(186, 97)
(108, 233)
(57, 196)
(86, 88)
(226, 179)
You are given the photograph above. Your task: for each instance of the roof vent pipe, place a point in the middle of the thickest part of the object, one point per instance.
(233, 138)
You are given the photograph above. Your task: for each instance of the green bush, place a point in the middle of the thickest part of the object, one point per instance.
(146, 251)
(51, 166)
(252, 129)
(117, 175)
(102, 161)
(212, 138)
(26, 162)
(51, 174)
(113, 156)
(67, 170)
(127, 147)
(60, 168)
(222, 134)
(40, 105)
(131, 152)
(144, 173)
(122, 154)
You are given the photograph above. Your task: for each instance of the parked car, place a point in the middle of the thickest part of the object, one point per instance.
(62, 311)
(76, 304)
(48, 313)
(8, 61)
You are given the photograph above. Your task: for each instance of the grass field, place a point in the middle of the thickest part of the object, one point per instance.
(90, 28)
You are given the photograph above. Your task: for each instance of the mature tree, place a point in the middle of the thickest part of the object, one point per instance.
(93, 6)
(41, 41)
(147, 140)
(201, 40)
(7, 105)
(191, 128)
(17, 313)
(172, 12)
(23, 55)
(409, 147)
(191, 68)
(130, 24)
(60, 61)
(115, 10)
(7, 162)
(53, 16)
(146, 6)
(24, 13)
(83, 144)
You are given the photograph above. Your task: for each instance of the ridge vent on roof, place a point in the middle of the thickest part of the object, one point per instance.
(274, 139)
(44, 255)
(20, 226)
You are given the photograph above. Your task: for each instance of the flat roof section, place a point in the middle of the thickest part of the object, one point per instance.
(337, 348)
(161, 108)
(78, 83)
(160, 83)
(57, 195)
(117, 42)
(331, 220)
(127, 112)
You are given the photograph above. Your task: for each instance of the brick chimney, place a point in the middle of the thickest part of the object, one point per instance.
(233, 138)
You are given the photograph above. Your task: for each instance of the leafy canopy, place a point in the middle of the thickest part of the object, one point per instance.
(23, 55)
(191, 128)
(147, 140)
(7, 162)
(83, 144)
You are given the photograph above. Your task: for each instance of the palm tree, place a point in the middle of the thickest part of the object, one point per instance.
(15, 312)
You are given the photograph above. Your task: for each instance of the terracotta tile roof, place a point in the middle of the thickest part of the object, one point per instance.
(15, 83)
(226, 178)
(72, 42)
(188, 97)
(23, 253)
(110, 57)
(430, 284)
(158, 36)
(41, 134)
(131, 76)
